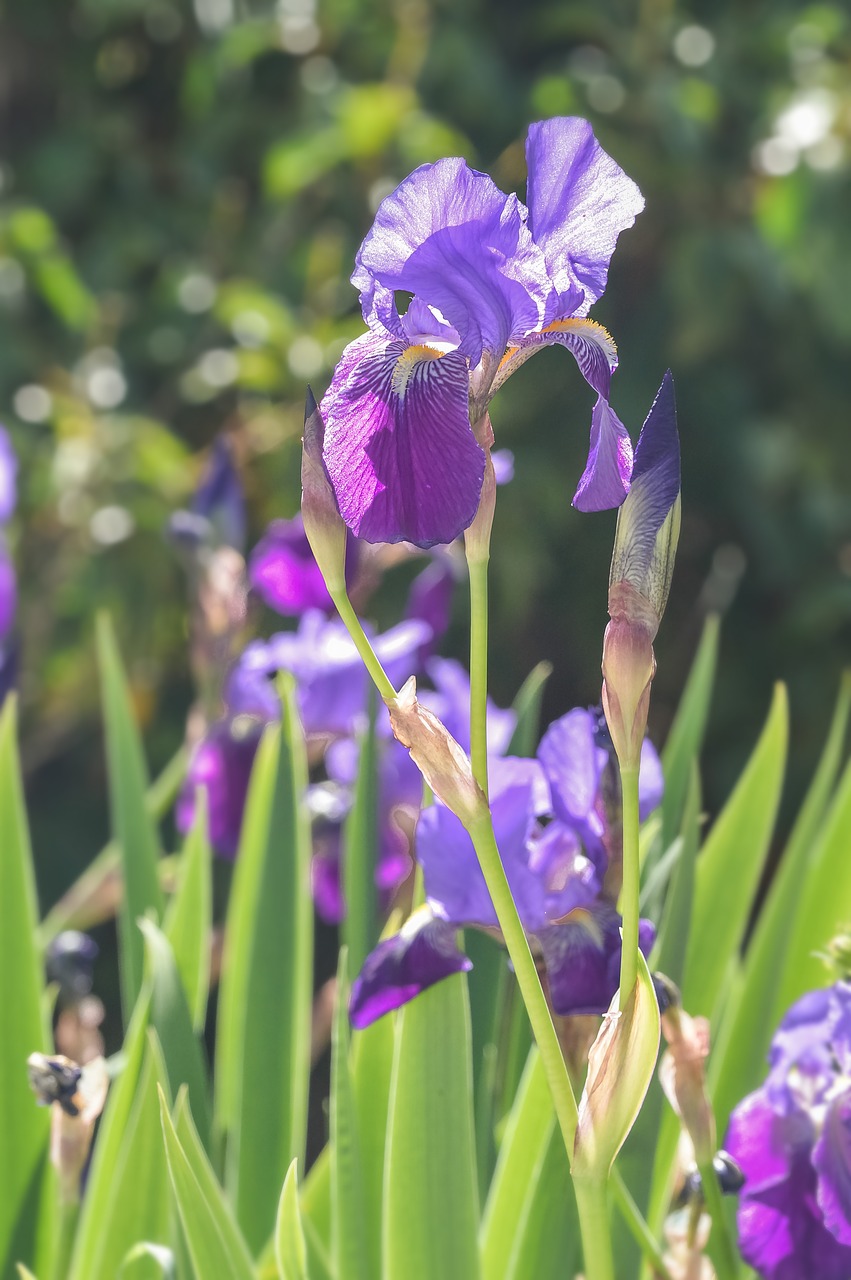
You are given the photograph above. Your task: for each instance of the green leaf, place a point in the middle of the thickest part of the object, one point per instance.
(823, 907)
(529, 1224)
(236, 1250)
(669, 952)
(171, 1019)
(738, 1060)
(431, 1194)
(131, 821)
(23, 1124)
(264, 1026)
(685, 736)
(198, 1213)
(316, 1195)
(188, 923)
(133, 1197)
(290, 1248)
(372, 1067)
(348, 1235)
(527, 708)
(146, 1261)
(360, 843)
(730, 864)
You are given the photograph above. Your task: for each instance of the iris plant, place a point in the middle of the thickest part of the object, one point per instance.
(492, 280)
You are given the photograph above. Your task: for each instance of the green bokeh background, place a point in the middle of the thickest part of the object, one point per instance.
(184, 188)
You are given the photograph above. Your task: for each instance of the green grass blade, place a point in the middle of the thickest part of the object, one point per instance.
(669, 952)
(146, 1261)
(316, 1195)
(198, 1213)
(431, 1194)
(135, 1200)
(685, 736)
(527, 707)
(738, 1059)
(824, 904)
(348, 1234)
(188, 923)
(730, 864)
(489, 982)
(531, 1199)
(360, 846)
(372, 1067)
(23, 1125)
(170, 1017)
(263, 1038)
(132, 825)
(236, 1250)
(290, 1247)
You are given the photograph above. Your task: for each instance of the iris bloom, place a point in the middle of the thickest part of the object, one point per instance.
(792, 1140)
(491, 280)
(556, 871)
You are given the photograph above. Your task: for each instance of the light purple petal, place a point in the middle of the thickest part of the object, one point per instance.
(651, 780)
(606, 479)
(579, 201)
(503, 465)
(449, 236)
(8, 477)
(423, 953)
(451, 703)
(832, 1163)
(399, 449)
(574, 765)
(284, 573)
(570, 879)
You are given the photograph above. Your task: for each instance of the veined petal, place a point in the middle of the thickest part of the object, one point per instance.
(579, 202)
(605, 480)
(832, 1163)
(421, 954)
(592, 346)
(399, 448)
(448, 235)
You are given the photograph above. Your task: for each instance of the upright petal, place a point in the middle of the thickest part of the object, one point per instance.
(448, 235)
(574, 764)
(399, 448)
(579, 201)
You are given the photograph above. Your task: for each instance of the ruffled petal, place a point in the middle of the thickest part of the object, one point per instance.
(579, 202)
(421, 954)
(448, 235)
(605, 480)
(399, 449)
(570, 879)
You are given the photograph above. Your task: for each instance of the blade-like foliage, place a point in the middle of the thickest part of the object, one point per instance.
(527, 707)
(348, 1233)
(430, 1190)
(132, 824)
(290, 1248)
(23, 1125)
(263, 1036)
(682, 746)
(372, 1066)
(188, 922)
(360, 846)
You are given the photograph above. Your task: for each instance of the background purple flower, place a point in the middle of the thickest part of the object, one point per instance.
(283, 571)
(221, 764)
(792, 1140)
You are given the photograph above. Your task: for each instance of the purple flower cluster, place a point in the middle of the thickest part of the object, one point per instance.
(792, 1140)
(555, 833)
(492, 281)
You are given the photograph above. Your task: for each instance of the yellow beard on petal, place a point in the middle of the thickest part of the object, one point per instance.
(594, 332)
(406, 366)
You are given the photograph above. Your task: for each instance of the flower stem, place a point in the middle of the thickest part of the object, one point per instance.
(361, 643)
(592, 1203)
(630, 890)
(479, 670)
(481, 833)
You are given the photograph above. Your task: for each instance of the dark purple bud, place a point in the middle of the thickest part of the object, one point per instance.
(583, 955)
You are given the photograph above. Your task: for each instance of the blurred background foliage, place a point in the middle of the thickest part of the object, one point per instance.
(183, 188)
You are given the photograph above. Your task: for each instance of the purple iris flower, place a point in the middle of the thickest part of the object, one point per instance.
(792, 1140)
(283, 571)
(555, 870)
(332, 681)
(219, 497)
(492, 280)
(221, 764)
(450, 702)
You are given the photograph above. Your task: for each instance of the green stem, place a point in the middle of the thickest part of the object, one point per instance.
(592, 1203)
(361, 643)
(481, 833)
(721, 1247)
(479, 670)
(641, 1232)
(68, 1214)
(631, 877)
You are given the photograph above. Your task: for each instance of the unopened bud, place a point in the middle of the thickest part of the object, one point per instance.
(323, 523)
(682, 1074)
(77, 1095)
(440, 759)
